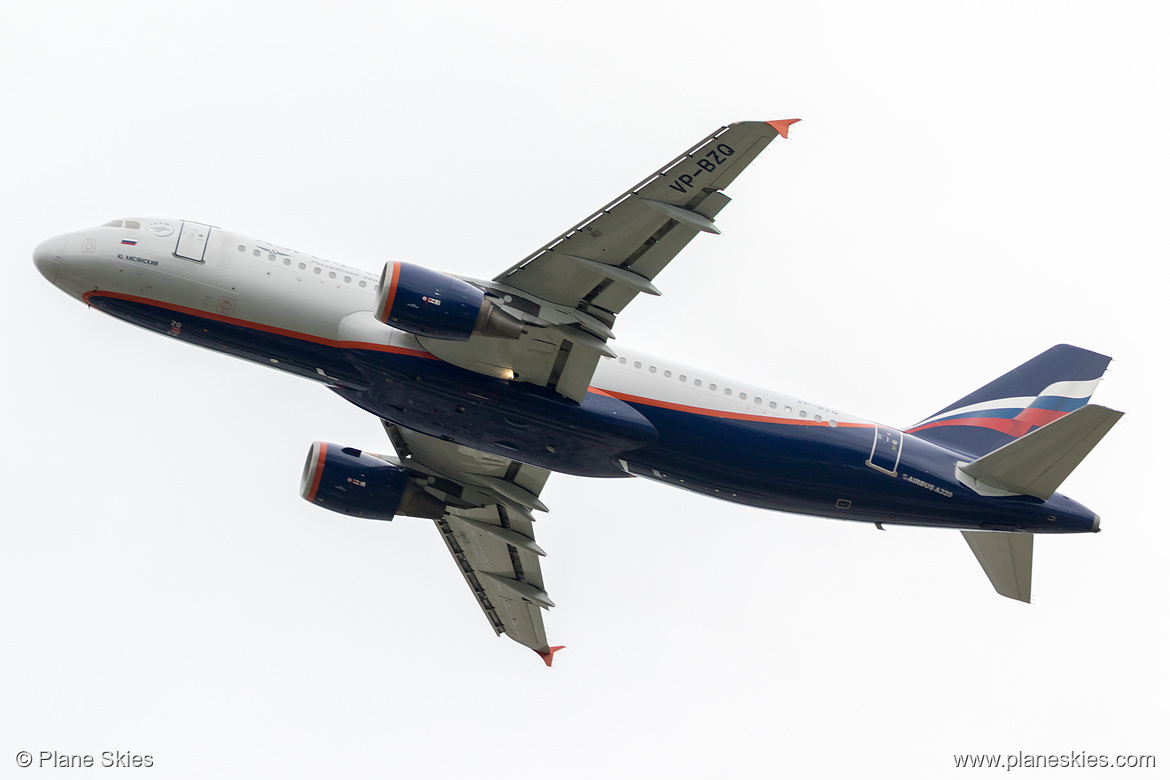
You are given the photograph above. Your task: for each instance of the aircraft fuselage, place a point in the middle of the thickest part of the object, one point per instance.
(642, 416)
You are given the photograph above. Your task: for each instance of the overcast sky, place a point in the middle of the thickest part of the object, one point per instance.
(971, 184)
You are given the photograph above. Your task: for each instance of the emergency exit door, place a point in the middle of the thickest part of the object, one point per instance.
(887, 450)
(192, 241)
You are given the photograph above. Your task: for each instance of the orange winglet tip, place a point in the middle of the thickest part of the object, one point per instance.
(549, 655)
(782, 126)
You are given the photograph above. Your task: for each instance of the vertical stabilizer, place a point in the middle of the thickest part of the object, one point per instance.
(1007, 560)
(1046, 388)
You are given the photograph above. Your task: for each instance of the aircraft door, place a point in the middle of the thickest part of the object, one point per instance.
(887, 450)
(192, 241)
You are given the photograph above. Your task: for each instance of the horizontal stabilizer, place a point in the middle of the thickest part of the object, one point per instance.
(1036, 464)
(1007, 560)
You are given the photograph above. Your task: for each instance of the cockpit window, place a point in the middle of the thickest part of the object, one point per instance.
(126, 223)
(113, 223)
(132, 224)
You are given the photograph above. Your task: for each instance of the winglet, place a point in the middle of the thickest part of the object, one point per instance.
(549, 655)
(782, 126)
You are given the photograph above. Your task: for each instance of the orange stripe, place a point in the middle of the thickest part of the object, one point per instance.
(383, 313)
(259, 326)
(363, 345)
(637, 399)
(317, 475)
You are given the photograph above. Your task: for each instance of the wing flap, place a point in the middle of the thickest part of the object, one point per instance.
(574, 378)
(648, 264)
(487, 527)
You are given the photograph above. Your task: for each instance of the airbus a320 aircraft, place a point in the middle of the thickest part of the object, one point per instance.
(485, 387)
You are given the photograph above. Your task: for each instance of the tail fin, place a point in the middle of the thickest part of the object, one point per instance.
(1046, 388)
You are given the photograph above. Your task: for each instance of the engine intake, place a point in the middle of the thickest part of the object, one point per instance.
(352, 482)
(428, 303)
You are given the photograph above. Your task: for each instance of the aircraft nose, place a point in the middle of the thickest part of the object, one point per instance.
(47, 257)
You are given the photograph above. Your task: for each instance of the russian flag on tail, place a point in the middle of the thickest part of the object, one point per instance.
(1046, 388)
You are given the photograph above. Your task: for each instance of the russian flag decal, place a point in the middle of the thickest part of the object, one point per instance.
(129, 242)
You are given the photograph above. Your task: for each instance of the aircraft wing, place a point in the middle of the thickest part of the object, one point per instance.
(603, 262)
(487, 526)
(569, 291)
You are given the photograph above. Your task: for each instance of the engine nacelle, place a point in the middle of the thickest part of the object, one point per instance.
(352, 482)
(428, 303)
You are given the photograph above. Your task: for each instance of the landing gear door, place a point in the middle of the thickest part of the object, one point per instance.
(887, 450)
(193, 241)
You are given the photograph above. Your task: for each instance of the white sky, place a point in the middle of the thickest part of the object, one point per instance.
(971, 184)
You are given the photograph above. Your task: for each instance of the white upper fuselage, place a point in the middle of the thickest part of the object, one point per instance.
(260, 285)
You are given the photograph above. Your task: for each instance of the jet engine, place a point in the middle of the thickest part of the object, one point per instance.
(428, 303)
(352, 482)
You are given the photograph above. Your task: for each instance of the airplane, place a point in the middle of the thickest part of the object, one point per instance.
(485, 387)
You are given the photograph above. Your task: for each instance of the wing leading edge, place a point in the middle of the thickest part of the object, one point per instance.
(602, 263)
